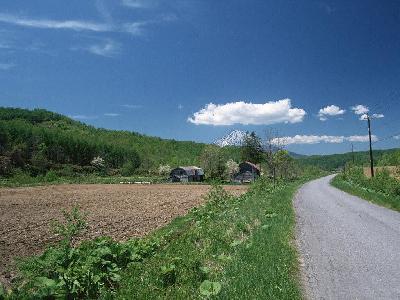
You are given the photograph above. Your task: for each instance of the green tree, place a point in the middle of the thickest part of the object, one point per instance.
(213, 162)
(252, 150)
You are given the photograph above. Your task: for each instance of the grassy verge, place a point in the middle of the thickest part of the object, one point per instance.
(378, 198)
(233, 248)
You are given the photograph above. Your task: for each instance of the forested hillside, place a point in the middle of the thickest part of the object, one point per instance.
(335, 161)
(38, 140)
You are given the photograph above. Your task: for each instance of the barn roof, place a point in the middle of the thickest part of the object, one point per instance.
(190, 170)
(251, 164)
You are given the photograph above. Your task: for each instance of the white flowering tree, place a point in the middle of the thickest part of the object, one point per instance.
(164, 170)
(98, 163)
(231, 168)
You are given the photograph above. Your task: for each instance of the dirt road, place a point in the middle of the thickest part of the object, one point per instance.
(350, 248)
(119, 211)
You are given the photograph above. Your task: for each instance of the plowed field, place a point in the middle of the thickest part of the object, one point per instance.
(119, 211)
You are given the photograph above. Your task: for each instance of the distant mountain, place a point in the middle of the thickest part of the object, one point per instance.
(234, 138)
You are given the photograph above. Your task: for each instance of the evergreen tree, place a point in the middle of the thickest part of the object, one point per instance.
(252, 150)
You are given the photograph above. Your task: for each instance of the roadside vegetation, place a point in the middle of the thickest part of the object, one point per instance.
(383, 189)
(232, 247)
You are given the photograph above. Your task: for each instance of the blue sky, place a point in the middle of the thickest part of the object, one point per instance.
(154, 67)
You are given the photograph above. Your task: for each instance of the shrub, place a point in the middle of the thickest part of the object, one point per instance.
(5, 166)
(164, 170)
(128, 169)
(51, 176)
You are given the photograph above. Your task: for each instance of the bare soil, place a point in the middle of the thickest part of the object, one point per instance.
(394, 171)
(118, 211)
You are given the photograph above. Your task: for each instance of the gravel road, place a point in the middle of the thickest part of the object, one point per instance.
(349, 248)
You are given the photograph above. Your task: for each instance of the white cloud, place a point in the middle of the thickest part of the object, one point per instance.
(378, 116)
(316, 139)
(6, 66)
(397, 137)
(134, 28)
(111, 114)
(360, 109)
(330, 110)
(240, 112)
(180, 106)
(108, 49)
(52, 24)
(362, 138)
(374, 116)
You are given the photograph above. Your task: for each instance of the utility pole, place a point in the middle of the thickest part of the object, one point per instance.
(370, 146)
(352, 152)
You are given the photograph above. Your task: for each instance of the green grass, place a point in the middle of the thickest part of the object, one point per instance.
(244, 245)
(388, 201)
(24, 180)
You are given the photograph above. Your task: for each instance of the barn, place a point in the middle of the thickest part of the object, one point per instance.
(187, 174)
(248, 172)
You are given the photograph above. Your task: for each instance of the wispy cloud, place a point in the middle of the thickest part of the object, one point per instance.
(111, 114)
(138, 3)
(83, 117)
(53, 24)
(240, 112)
(317, 139)
(132, 106)
(330, 110)
(108, 48)
(134, 28)
(6, 66)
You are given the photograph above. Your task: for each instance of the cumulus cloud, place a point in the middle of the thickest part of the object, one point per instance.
(240, 112)
(360, 109)
(397, 137)
(330, 110)
(317, 139)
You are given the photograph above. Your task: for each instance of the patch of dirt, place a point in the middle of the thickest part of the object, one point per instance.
(118, 211)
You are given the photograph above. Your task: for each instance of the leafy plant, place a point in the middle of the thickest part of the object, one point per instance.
(210, 288)
(168, 274)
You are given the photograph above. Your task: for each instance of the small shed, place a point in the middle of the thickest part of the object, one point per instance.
(248, 172)
(187, 174)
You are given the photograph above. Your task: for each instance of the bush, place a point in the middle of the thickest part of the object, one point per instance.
(128, 169)
(51, 176)
(5, 166)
